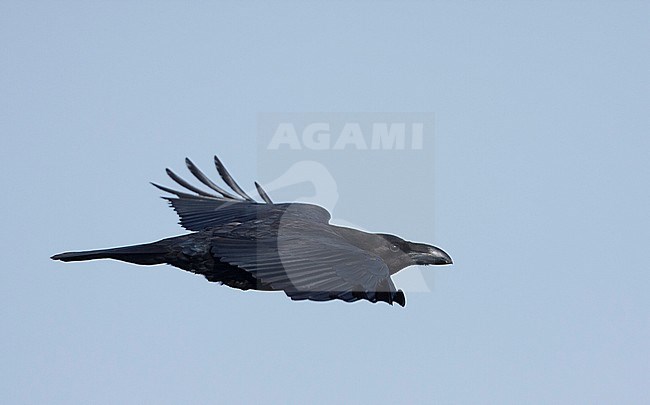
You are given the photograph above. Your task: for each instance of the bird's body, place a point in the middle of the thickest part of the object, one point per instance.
(291, 247)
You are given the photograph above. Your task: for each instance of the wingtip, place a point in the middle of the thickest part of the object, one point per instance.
(190, 165)
(263, 193)
(159, 187)
(227, 178)
(400, 298)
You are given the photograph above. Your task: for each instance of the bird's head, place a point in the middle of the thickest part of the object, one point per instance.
(400, 253)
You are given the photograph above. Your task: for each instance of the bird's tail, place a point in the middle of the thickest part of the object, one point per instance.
(148, 253)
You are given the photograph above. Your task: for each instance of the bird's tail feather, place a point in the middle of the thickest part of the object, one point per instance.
(149, 253)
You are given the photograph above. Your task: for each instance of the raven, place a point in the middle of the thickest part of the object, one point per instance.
(288, 247)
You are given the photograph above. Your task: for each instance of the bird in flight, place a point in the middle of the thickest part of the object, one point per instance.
(269, 246)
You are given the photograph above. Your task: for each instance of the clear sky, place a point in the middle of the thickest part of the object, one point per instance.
(535, 179)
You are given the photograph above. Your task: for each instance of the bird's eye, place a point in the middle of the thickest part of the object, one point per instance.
(394, 248)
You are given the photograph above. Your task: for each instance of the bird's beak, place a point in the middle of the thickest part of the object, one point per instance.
(427, 254)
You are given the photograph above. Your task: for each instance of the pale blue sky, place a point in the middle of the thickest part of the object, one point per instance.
(536, 183)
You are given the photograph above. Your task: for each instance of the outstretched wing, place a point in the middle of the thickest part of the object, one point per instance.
(201, 209)
(311, 264)
(301, 256)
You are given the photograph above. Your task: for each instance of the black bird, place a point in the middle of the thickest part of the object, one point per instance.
(246, 244)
